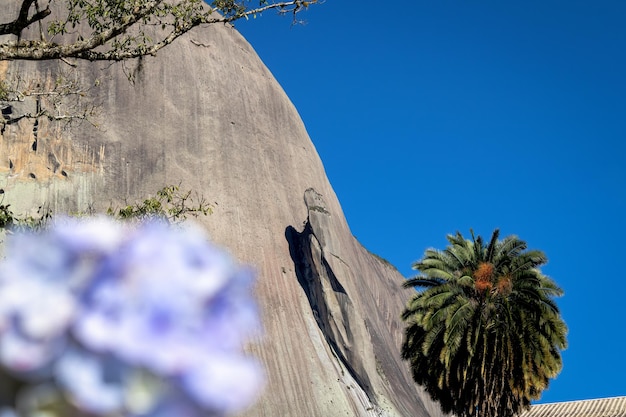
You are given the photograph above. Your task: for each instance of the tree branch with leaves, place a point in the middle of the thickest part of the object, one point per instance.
(99, 30)
(115, 30)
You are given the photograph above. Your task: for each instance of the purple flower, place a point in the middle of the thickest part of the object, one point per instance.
(101, 303)
(36, 303)
(224, 382)
(83, 375)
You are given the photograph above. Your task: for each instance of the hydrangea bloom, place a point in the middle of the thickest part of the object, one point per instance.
(134, 321)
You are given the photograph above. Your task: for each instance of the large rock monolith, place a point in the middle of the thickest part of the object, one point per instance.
(207, 114)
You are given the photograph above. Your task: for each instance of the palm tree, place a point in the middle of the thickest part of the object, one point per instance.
(484, 335)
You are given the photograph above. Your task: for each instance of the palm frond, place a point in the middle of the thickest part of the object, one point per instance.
(492, 246)
(422, 281)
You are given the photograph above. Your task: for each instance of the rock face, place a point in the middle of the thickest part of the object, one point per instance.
(213, 119)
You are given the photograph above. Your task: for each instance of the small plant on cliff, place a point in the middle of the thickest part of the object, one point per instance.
(484, 334)
(169, 204)
(10, 221)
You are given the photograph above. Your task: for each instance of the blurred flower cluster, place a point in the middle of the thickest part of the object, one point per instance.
(99, 318)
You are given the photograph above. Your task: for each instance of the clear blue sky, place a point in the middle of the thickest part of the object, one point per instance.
(438, 115)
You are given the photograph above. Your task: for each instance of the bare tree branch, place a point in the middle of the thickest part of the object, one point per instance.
(23, 20)
(62, 101)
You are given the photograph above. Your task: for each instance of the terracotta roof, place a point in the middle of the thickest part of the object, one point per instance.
(602, 407)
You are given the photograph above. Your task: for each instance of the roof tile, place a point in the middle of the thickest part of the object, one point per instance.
(602, 407)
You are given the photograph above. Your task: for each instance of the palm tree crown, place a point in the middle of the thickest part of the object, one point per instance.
(484, 335)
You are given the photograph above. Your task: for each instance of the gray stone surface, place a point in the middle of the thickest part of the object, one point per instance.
(214, 119)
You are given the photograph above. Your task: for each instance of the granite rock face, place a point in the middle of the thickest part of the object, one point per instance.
(207, 114)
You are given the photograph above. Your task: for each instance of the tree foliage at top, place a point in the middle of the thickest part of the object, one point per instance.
(115, 30)
(98, 30)
(483, 335)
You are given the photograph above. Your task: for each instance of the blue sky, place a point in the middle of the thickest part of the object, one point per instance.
(437, 116)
